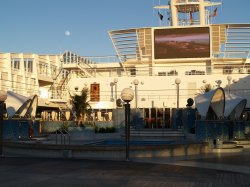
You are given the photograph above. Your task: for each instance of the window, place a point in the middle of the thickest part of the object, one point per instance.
(195, 72)
(162, 73)
(28, 65)
(43, 68)
(53, 70)
(173, 73)
(15, 63)
(133, 72)
(227, 69)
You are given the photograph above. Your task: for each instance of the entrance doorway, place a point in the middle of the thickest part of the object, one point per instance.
(158, 118)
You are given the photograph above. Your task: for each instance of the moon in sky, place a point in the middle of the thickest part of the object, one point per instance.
(67, 33)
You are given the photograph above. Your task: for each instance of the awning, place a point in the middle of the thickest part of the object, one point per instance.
(234, 106)
(214, 99)
(20, 105)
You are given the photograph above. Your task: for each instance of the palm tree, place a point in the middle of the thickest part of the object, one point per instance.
(81, 105)
(205, 88)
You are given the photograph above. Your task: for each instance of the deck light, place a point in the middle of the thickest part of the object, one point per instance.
(229, 78)
(178, 82)
(115, 83)
(127, 95)
(136, 82)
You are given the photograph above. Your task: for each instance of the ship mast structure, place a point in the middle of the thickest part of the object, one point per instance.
(177, 8)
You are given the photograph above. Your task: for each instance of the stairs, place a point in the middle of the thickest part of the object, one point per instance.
(58, 88)
(156, 134)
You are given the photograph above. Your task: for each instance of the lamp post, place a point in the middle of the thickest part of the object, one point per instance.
(136, 82)
(127, 95)
(178, 82)
(229, 78)
(115, 83)
(3, 97)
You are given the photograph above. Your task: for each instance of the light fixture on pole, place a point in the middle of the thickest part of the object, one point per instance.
(229, 78)
(136, 82)
(115, 83)
(3, 97)
(127, 95)
(218, 83)
(178, 82)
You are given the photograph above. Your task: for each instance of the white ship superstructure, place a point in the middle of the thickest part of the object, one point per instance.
(191, 51)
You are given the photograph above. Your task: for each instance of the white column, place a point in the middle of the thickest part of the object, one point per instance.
(174, 13)
(202, 13)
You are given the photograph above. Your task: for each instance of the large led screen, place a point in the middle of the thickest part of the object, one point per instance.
(182, 43)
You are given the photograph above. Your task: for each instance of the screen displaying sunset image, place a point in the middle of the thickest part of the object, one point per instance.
(182, 43)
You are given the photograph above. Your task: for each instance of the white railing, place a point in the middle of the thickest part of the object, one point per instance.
(104, 59)
(188, 70)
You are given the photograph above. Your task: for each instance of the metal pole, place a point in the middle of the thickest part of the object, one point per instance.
(128, 130)
(127, 127)
(1, 129)
(178, 96)
(116, 94)
(229, 84)
(136, 96)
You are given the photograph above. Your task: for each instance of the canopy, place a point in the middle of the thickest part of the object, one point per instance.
(20, 105)
(214, 99)
(234, 106)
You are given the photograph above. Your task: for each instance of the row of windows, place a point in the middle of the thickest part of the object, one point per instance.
(28, 64)
(43, 68)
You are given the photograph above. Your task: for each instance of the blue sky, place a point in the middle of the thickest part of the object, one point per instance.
(39, 26)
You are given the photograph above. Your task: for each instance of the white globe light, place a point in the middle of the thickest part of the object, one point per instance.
(229, 78)
(218, 81)
(177, 81)
(136, 82)
(127, 94)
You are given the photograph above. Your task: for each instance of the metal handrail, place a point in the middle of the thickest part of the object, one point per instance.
(63, 135)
